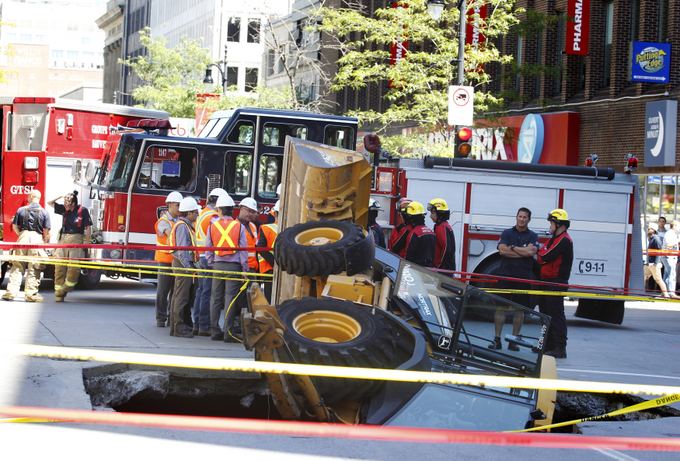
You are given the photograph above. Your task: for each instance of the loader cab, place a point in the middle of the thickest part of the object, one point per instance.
(460, 321)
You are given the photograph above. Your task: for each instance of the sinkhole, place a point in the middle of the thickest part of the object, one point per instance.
(140, 389)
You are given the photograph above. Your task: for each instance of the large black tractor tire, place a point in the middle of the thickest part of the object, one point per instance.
(322, 248)
(341, 333)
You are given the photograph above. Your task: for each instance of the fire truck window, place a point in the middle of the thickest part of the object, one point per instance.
(169, 168)
(339, 136)
(269, 175)
(205, 132)
(238, 172)
(122, 167)
(217, 129)
(274, 134)
(242, 133)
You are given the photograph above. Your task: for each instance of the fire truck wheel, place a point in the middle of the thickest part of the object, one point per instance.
(321, 248)
(340, 333)
(89, 279)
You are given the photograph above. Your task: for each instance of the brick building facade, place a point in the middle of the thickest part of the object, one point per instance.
(597, 86)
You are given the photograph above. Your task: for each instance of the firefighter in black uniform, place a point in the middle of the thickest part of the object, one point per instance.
(445, 246)
(420, 241)
(555, 260)
(373, 226)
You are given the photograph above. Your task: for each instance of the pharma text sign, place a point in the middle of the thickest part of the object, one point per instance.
(578, 27)
(651, 62)
(661, 118)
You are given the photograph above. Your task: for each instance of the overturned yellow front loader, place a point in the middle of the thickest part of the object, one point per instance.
(338, 301)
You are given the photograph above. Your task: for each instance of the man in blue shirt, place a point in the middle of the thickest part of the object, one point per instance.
(517, 247)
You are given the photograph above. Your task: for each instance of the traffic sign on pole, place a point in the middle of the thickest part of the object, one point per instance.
(461, 109)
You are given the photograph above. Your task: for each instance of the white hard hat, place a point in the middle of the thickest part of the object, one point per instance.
(278, 190)
(276, 206)
(188, 204)
(174, 197)
(249, 202)
(224, 200)
(216, 192)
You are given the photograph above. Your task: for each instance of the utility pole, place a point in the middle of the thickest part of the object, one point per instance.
(461, 42)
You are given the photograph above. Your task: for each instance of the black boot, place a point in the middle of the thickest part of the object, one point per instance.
(496, 345)
(557, 352)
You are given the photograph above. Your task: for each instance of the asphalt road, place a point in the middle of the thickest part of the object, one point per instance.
(120, 316)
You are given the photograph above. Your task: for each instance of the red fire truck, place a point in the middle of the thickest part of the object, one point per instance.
(240, 151)
(484, 196)
(47, 141)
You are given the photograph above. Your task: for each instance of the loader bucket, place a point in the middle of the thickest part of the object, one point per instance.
(320, 182)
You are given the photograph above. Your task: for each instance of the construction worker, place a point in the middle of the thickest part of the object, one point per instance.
(201, 310)
(420, 240)
(555, 259)
(373, 226)
(266, 238)
(32, 224)
(228, 234)
(445, 243)
(165, 279)
(183, 235)
(76, 229)
(397, 241)
(248, 216)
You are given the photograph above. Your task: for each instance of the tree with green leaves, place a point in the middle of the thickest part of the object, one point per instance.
(172, 76)
(418, 82)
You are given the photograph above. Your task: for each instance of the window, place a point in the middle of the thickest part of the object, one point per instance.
(238, 172)
(271, 59)
(339, 136)
(662, 23)
(634, 31)
(608, 35)
(123, 164)
(233, 29)
(274, 134)
(269, 175)
(519, 61)
(253, 30)
(213, 128)
(232, 77)
(251, 78)
(242, 133)
(561, 37)
(169, 168)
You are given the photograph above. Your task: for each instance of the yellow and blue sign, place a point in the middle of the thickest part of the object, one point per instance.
(651, 62)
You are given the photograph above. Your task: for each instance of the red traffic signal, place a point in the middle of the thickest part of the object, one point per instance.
(463, 137)
(464, 134)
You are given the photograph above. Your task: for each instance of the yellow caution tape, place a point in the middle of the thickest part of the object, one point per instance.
(379, 374)
(580, 294)
(660, 402)
(142, 269)
(29, 420)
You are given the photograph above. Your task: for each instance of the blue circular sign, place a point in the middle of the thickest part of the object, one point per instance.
(530, 142)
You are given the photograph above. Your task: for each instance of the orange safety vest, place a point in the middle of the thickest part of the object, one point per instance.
(270, 231)
(162, 256)
(251, 239)
(202, 224)
(225, 233)
(173, 239)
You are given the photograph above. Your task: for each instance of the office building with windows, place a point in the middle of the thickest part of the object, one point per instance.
(48, 50)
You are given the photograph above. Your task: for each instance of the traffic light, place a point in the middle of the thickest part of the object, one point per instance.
(463, 138)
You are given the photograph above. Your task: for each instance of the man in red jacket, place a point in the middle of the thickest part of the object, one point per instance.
(401, 230)
(555, 259)
(419, 242)
(445, 243)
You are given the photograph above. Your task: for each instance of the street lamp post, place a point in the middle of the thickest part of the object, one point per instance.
(435, 9)
(221, 66)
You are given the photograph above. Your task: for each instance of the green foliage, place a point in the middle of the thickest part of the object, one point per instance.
(172, 76)
(418, 145)
(418, 83)
(272, 98)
